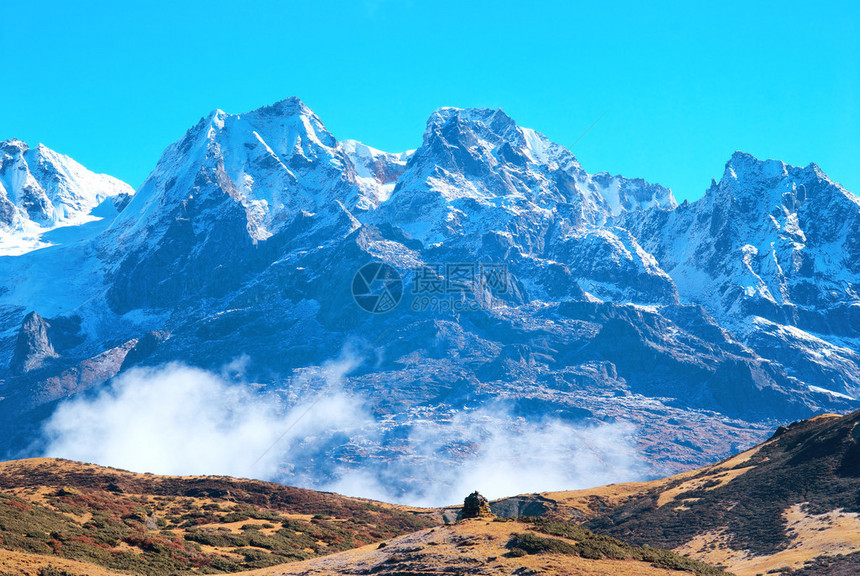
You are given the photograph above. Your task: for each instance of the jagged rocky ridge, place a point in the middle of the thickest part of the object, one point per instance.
(772, 252)
(703, 324)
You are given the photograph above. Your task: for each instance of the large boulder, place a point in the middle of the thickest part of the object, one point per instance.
(476, 506)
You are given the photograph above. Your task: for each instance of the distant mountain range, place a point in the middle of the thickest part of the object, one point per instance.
(527, 284)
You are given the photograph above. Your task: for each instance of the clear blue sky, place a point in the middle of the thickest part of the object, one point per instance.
(682, 85)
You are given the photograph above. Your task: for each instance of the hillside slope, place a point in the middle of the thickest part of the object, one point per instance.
(788, 506)
(60, 518)
(146, 524)
(487, 547)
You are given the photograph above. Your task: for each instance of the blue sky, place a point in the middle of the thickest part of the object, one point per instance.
(679, 86)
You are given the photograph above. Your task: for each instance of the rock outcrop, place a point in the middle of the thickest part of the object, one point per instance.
(476, 506)
(33, 346)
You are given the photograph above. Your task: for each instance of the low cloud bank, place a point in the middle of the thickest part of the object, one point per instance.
(500, 455)
(181, 420)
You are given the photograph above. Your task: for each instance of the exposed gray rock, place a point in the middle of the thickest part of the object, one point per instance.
(33, 347)
(533, 506)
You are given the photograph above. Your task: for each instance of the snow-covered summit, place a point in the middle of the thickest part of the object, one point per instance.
(477, 169)
(468, 138)
(271, 164)
(237, 188)
(747, 178)
(482, 184)
(41, 190)
(631, 194)
(772, 251)
(782, 225)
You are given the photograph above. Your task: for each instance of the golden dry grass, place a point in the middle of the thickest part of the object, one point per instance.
(592, 501)
(473, 546)
(29, 565)
(178, 523)
(811, 536)
(59, 466)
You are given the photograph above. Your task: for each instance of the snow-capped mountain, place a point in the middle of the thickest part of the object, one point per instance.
(41, 190)
(773, 252)
(223, 201)
(255, 162)
(702, 324)
(480, 183)
(476, 170)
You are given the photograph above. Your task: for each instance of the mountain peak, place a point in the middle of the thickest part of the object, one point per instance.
(748, 177)
(631, 194)
(447, 113)
(33, 346)
(265, 167)
(745, 166)
(487, 123)
(41, 189)
(14, 144)
(287, 107)
(289, 111)
(215, 118)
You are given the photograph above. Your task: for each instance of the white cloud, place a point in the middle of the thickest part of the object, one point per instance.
(181, 420)
(499, 455)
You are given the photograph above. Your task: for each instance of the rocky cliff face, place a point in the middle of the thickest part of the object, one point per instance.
(33, 347)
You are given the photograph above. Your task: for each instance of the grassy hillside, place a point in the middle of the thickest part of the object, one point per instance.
(61, 518)
(789, 506)
(156, 525)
